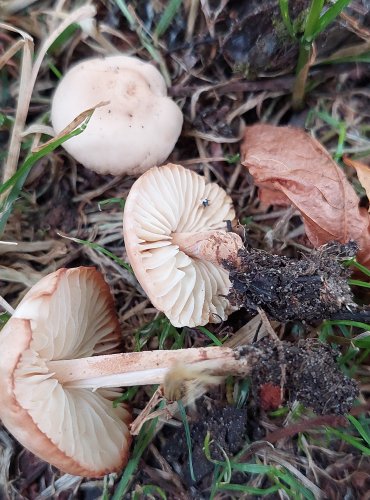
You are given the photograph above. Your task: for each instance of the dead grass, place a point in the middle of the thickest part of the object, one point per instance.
(199, 59)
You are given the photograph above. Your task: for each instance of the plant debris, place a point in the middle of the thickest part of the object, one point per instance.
(309, 289)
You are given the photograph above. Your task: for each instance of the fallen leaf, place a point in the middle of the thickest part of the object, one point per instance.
(363, 173)
(294, 167)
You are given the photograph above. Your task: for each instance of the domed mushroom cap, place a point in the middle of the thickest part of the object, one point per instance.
(67, 314)
(169, 213)
(136, 130)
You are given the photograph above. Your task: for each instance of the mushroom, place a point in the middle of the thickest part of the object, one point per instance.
(47, 372)
(135, 130)
(174, 228)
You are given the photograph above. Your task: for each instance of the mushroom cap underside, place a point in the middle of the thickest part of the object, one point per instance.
(170, 200)
(67, 314)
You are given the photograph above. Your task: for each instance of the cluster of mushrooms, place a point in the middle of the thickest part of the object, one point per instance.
(57, 378)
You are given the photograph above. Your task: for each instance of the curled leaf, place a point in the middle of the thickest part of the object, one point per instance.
(363, 173)
(290, 166)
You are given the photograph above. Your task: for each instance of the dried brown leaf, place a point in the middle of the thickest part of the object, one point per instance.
(363, 173)
(288, 162)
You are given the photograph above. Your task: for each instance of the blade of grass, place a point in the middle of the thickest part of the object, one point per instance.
(15, 183)
(145, 39)
(312, 20)
(348, 322)
(355, 442)
(251, 490)
(360, 267)
(360, 429)
(145, 437)
(364, 284)
(110, 201)
(210, 335)
(28, 79)
(148, 491)
(167, 17)
(284, 11)
(187, 436)
(329, 16)
(99, 248)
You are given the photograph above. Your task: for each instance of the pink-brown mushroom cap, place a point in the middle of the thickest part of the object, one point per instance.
(76, 430)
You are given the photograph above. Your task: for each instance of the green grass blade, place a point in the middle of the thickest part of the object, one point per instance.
(312, 20)
(329, 16)
(360, 429)
(121, 4)
(284, 11)
(167, 17)
(248, 489)
(126, 396)
(355, 442)
(16, 182)
(148, 491)
(364, 284)
(188, 437)
(4, 318)
(296, 487)
(365, 57)
(353, 262)
(210, 335)
(145, 437)
(252, 468)
(110, 201)
(101, 249)
(105, 494)
(348, 322)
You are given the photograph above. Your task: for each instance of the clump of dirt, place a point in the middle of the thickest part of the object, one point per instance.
(309, 289)
(227, 428)
(307, 372)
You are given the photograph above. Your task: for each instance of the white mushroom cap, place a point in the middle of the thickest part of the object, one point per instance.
(136, 130)
(67, 314)
(167, 205)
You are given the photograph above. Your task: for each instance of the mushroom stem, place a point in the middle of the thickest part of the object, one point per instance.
(142, 368)
(214, 246)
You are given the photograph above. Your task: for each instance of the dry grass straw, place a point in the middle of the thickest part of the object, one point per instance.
(28, 76)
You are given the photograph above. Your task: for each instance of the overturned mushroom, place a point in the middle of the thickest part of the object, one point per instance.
(136, 129)
(176, 238)
(68, 314)
(46, 400)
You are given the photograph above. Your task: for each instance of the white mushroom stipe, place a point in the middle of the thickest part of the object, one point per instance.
(140, 368)
(136, 130)
(176, 244)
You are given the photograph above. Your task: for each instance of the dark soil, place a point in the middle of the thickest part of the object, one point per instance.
(307, 372)
(227, 427)
(309, 289)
